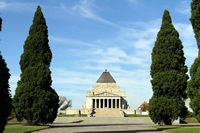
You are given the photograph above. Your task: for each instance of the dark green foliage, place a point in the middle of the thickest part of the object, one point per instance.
(5, 96)
(193, 88)
(168, 72)
(34, 98)
(189, 114)
(195, 20)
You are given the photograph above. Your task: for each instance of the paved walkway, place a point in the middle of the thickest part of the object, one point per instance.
(100, 128)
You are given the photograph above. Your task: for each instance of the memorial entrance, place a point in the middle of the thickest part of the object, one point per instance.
(105, 94)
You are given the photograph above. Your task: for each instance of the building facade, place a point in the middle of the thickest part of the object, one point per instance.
(105, 94)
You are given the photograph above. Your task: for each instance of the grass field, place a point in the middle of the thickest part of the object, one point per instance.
(15, 120)
(178, 129)
(135, 115)
(72, 115)
(22, 128)
(190, 120)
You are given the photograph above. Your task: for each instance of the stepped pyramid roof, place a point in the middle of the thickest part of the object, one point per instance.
(106, 78)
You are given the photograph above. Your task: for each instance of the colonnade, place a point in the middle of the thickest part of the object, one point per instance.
(106, 103)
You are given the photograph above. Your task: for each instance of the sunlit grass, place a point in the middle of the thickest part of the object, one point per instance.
(15, 120)
(72, 115)
(22, 128)
(191, 120)
(179, 129)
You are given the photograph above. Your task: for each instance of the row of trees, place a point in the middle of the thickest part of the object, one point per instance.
(34, 98)
(168, 72)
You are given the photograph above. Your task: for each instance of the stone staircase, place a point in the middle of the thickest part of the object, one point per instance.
(107, 112)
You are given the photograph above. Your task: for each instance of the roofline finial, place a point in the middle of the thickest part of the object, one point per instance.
(105, 70)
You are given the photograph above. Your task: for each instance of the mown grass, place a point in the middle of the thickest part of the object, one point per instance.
(63, 115)
(72, 115)
(135, 115)
(15, 120)
(178, 129)
(22, 128)
(190, 120)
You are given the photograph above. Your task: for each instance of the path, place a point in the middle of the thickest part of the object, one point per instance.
(100, 128)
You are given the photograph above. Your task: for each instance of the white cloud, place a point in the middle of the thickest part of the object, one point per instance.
(188, 41)
(87, 9)
(62, 76)
(13, 83)
(112, 55)
(184, 7)
(133, 1)
(17, 6)
(186, 33)
(78, 99)
(70, 41)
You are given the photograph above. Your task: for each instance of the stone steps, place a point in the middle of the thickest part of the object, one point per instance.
(107, 112)
(103, 120)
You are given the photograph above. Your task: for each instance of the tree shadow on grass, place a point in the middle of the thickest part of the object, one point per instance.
(166, 128)
(182, 122)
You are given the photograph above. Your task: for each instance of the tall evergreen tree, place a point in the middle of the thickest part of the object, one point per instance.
(5, 96)
(193, 88)
(34, 98)
(168, 72)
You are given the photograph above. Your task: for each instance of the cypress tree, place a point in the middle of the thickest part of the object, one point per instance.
(193, 88)
(5, 96)
(168, 72)
(34, 98)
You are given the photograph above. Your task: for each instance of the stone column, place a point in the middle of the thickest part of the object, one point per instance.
(115, 103)
(99, 103)
(120, 102)
(103, 103)
(95, 100)
(92, 103)
(107, 103)
(111, 103)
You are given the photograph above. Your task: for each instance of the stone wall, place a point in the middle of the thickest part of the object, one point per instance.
(73, 111)
(107, 87)
(88, 103)
(85, 111)
(132, 111)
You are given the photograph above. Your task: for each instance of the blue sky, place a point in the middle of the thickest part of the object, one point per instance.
(88, 36)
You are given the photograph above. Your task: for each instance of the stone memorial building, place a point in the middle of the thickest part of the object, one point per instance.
(105, 94)
(105, 100)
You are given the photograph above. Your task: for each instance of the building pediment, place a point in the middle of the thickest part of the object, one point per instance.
(106, 94)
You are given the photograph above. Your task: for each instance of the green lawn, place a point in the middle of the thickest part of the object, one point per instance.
(179, 129)
(22, 128)
(15, 120)
(66, 115)
(135, 115)
(190, 120)
(72, 115)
